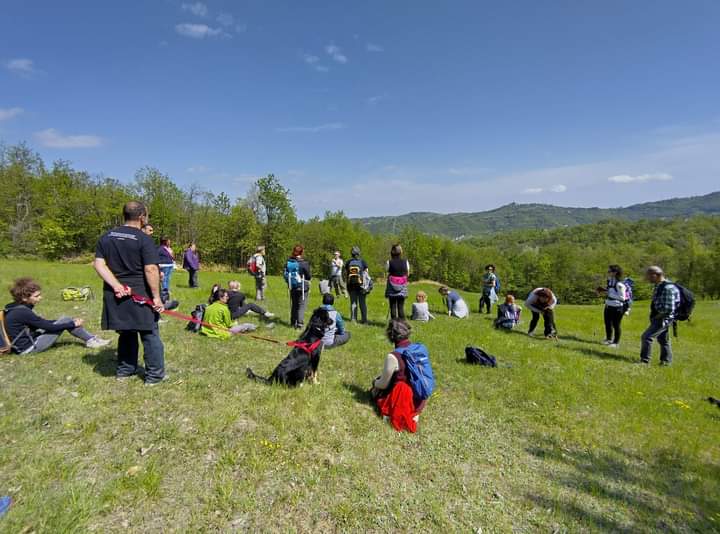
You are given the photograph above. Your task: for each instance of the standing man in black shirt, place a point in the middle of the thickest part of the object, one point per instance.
(127, 261)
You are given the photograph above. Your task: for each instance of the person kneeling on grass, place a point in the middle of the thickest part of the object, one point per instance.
(392, 390)
(218, 319)
(420, 309)
(455, 304)
(335, 334)
(238, 305)
(542, 301)
(29, 332)
(508, 314)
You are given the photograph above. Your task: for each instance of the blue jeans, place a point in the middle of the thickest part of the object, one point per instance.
(659, 329)
(153, 354)
(167, 273)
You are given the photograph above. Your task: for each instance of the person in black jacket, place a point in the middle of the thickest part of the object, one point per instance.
(29, 332)
(297, 277)
(239, 306)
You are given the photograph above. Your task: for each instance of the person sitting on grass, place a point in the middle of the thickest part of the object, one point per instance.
(542, 301)
(420, 308)
(238, 305)
(391, 390)
(218, 319)
(455, 304)
(508, 314)
(335, 335)
(30, 333)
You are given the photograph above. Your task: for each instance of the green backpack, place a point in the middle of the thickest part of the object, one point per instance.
(77, 294)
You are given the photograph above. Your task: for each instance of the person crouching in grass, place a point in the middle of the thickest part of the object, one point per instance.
(30, 333)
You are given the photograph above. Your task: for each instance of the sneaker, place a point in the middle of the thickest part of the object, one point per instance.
(613, 345)
(97, 343)
(269, 315)
(163, 379)
(531, 334)
(607, 342)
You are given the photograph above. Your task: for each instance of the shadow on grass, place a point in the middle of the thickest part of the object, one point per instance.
(360, 394)
(595, 353)
(104, 362)
(579, 339)
(613, 489)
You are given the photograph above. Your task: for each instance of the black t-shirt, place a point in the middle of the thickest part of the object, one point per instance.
(127, 251)
(235, 300)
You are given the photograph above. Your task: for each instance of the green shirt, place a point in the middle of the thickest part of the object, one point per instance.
(217, 314)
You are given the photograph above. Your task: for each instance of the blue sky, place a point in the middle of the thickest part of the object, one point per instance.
(375, 107)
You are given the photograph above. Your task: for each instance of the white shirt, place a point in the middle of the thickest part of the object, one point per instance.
(616, 295)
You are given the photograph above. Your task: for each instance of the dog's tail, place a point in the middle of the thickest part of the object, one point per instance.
(253, 376)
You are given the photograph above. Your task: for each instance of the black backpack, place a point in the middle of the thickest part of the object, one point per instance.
(477, 356)
(198, 313)
(686, 305)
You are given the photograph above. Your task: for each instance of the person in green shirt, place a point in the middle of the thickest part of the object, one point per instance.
(218, 314)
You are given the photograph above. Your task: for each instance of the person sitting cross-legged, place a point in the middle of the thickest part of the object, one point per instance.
(335, 335)
(239, 306)
(29, 332)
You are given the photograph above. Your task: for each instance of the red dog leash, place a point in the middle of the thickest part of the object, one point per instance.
(139, 299)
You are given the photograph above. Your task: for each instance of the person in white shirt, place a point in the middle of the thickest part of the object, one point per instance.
(420, 309)
(336, 275)
(260, 273)
(615, 305)
(542, 301)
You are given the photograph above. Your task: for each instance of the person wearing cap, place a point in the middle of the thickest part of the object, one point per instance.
(260, 273)
(336, 275)
(355, 270)
(665, 299)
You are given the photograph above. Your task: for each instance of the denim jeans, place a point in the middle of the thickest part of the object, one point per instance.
(153, 354)
(659, 329)
(357, 300)
(167, 274)
(44, 341)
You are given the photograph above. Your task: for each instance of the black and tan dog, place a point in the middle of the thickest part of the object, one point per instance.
(304, 359)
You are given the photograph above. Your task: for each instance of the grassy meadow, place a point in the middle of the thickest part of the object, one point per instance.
(563, 436)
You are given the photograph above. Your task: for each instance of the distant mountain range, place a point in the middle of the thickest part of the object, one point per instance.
(519, 216)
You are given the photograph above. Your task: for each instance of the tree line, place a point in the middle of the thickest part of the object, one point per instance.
(57, 212)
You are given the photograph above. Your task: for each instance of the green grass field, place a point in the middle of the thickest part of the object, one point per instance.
(562, 437)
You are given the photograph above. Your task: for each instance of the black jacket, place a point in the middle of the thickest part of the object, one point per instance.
(21, 316)
(236, 300)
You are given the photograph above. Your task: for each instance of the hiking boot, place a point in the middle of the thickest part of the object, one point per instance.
(155, 383)
(97, 343)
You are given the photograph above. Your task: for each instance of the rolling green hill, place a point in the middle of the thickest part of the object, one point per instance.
(518, 216)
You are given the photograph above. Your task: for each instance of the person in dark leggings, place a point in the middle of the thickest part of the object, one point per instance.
(355, 270)
(239, 306)
(297, 276)
(542, 301)
(30, 333)
(398, 271)
(615, 299)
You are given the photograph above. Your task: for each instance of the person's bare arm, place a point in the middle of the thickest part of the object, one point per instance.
(109, 278)
(152, 275)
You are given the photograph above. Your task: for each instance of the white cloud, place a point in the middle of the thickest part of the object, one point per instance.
(468, 171)
(226, 19)
(640, 178)
(313, 129)
(10, 113)
(371, 101)
(197, 8)
(198, 31)
(314, 62)
(336, 53)
(197, 169)
(374, 48)
(533, 191)
(52, 138)
(559, 188)
(22, 66)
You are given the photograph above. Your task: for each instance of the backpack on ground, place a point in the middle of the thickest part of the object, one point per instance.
(77, 294)
(355, 273)
(686, 305)
(252, 266)
(292, 275)
(477, 356)
(197, 314)
(418, 369)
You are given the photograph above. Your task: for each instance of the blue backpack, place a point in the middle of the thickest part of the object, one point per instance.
(292, 275)
(418, 369)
